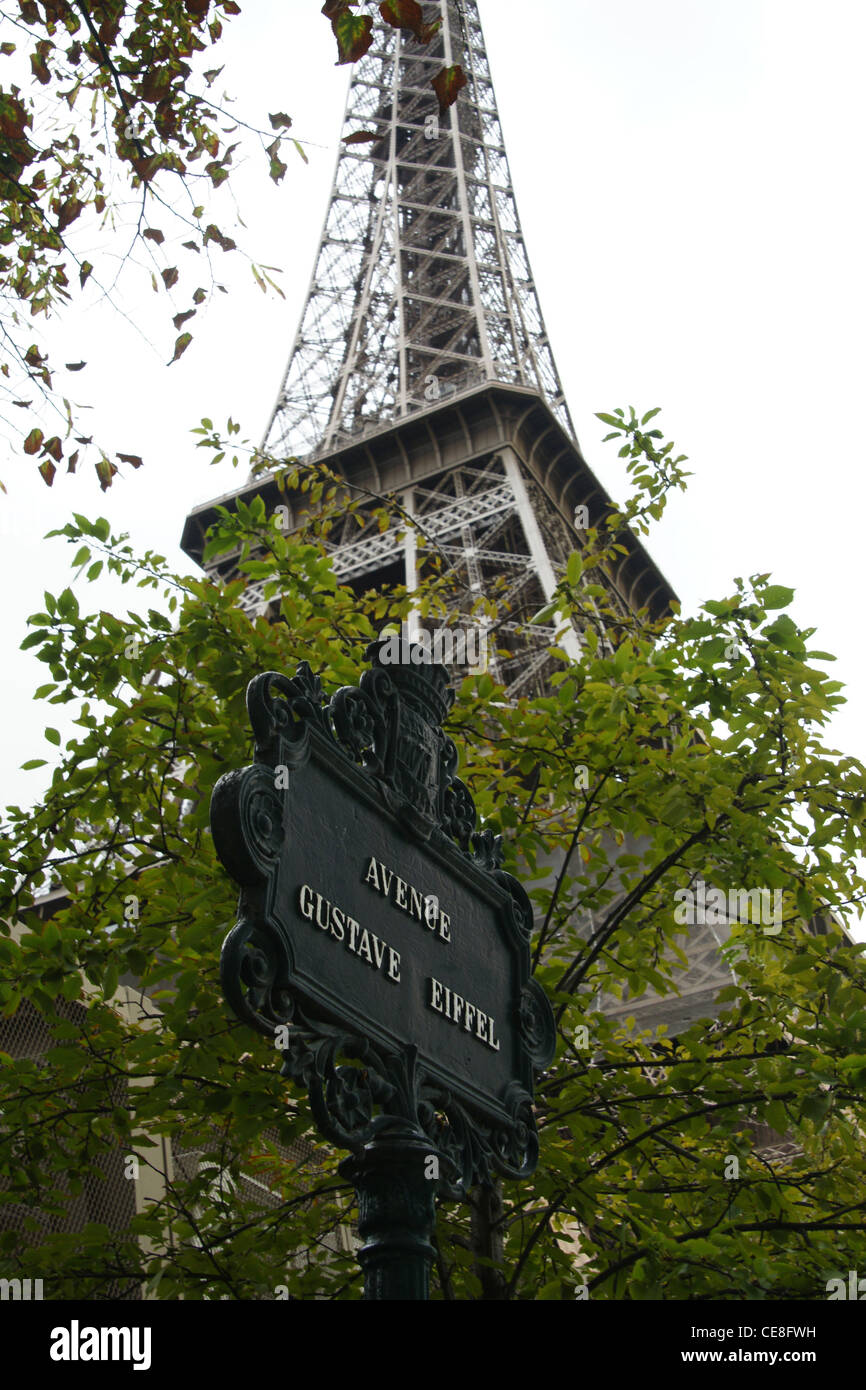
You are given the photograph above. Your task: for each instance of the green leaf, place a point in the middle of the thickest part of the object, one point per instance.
(777, 1116)
(575, 569)
(67, 604)
(543, 617)
(775, 596)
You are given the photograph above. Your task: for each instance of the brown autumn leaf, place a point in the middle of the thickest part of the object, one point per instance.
(13, 117)
(135, 459)
(181, 346)
(448, 84)
(154, 234)
(156, 83)
(53, 447)
(279, 120)
(110, 27)
(33, 442)
(180, 319)
(40, 68)
(213, 233)
(48, 472)
(71, 209)
(408, 15)
(361, 137)
(354, 33)
(146, 168)
(216, 172)
(200, 296)
(74, 366)
(170, 277)
(71, 462)
(85, 271)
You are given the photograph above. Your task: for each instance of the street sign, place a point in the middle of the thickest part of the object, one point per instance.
(379, 941)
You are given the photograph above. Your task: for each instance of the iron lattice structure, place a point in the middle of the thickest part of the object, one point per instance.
(422, 284)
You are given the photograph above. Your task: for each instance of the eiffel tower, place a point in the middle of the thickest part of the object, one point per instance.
(422, 369)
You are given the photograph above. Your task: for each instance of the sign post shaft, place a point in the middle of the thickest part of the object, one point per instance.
(396, 1216)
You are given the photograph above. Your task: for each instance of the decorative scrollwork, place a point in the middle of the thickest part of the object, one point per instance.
(247, 823)
(350, 1103)
(460, 814)
(537, 1028)
(488, 849)
(282, 707)
(358, 724)
(384, 1092)
(254, 971)
(350, 1097)
(516, 1151)
(521, 907)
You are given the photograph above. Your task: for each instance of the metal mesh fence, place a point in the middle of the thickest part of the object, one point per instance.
(265, 1188)
(107, 1196)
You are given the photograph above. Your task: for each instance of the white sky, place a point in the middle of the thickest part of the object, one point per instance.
(690, 181)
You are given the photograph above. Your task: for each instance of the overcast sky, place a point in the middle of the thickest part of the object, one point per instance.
(689, 176)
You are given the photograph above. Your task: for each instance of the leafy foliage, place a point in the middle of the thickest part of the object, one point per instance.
(107, 105)
(700, 741)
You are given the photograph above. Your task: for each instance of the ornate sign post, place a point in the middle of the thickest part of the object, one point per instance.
(383, 948)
